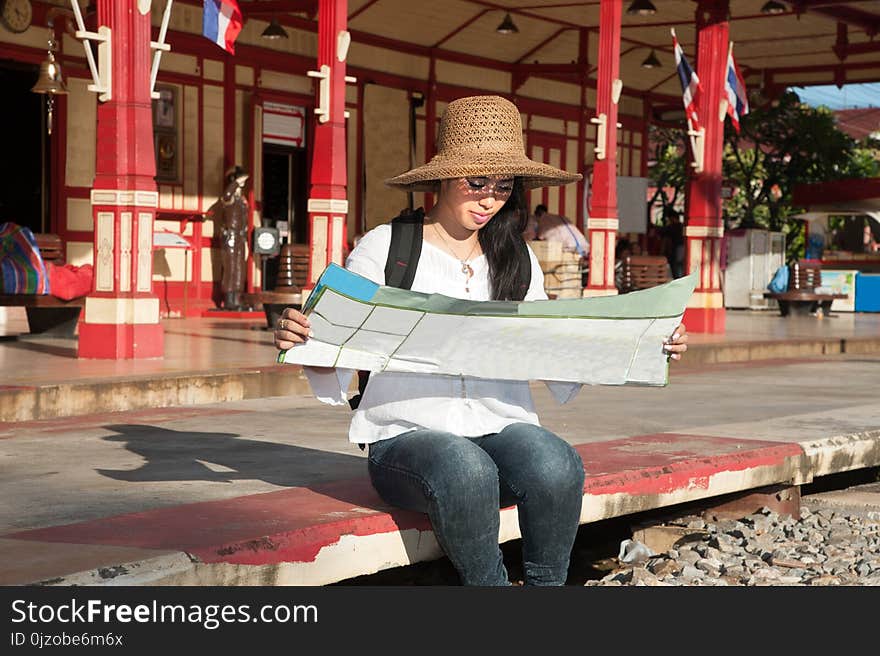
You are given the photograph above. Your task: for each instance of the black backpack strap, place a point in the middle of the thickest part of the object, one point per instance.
(400, 269)
(405, 249)
(363, 377)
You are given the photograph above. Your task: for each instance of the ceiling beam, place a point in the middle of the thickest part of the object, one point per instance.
(527, 14)
(845, 13)
(733, 19)
(836, 74)
(814, 4)
(280, 6)
(538, 69)
(562, 5)
(366, 6)
(818, 68)
(543, 43)
(459, 28)
(861, 48)
(666, 79)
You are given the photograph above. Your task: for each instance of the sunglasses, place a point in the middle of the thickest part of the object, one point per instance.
(484, 185)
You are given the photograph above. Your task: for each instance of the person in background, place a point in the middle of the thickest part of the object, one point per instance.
(553, 227)
(653, 240)
(871, 244)
(673, 242)
(816, 241)
(622, 250)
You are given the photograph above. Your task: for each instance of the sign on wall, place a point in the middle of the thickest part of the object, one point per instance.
(284, 124)
(632, 204)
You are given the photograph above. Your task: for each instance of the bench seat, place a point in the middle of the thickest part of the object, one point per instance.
(39, 300)
(802, 296)
(643, 272)
(47, 315)
(804, 278)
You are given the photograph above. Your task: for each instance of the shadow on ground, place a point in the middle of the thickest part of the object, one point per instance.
(173, 455)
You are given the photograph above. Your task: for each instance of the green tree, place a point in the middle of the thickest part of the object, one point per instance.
(781, 145)
(668, 172)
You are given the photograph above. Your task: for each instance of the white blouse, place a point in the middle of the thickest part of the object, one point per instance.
(394, 403)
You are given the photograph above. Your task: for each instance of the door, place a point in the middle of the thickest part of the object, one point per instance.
(281, 174)
(25, 173)
(285, 187)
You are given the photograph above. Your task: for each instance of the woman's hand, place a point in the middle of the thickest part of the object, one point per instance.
(677, 344)
(293, 328)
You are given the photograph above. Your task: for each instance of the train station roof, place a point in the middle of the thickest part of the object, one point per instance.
(777, 44)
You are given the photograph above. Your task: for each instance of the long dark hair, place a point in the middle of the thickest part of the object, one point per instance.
(501, 239)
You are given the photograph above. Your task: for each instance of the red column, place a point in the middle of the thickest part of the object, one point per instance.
(431, 121)
(602, 223)
(121, 318)
(704, 228)
(583, 119)
(328, 204)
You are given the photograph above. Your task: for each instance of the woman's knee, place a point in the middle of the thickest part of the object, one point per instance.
(543, 460)
(466, 472)
(448, 466)
(562, 469)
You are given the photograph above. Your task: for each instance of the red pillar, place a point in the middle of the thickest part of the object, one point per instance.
(431, 121)
(602, 223)
(121, 318)
(583, 120)
(704, 228)
(328, 204)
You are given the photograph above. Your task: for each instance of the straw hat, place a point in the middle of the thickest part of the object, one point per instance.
(480, 135)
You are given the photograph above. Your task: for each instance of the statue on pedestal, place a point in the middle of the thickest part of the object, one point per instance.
(231, 216)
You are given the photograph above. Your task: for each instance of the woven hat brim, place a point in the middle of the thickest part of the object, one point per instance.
(533, 174)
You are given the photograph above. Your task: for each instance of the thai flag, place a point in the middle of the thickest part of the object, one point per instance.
(221, 23)
(735, 88)
(690, 83)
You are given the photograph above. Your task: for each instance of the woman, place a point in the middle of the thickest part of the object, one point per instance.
(455, 447)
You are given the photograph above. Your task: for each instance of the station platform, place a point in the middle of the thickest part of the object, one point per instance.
(262, 487)
(211, 360)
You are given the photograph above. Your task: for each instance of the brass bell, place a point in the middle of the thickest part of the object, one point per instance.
(51, 84)
(50, 80)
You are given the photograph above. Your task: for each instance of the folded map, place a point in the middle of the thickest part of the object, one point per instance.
(606, 340)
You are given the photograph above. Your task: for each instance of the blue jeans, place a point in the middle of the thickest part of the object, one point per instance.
(462, 482)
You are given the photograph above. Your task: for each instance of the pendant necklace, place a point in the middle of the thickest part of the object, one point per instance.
(466, 268)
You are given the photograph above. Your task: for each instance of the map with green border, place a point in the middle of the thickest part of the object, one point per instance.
(606, 340)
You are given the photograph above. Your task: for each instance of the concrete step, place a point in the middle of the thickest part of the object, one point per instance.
(59, 398)
(56, 399)
(752, 351)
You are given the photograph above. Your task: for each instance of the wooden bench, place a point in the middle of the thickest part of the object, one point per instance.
(801, 295)
(46, 314)
(293, 275)
(51, 248)
(644, 271)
